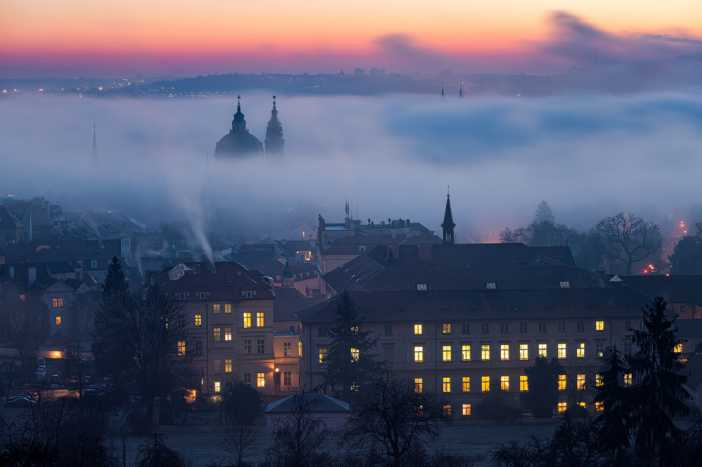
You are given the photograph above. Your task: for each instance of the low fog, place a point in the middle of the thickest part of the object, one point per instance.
(392, 156)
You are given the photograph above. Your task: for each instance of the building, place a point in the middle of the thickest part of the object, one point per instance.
(683, 292)
(275, 143)
(239, 142)
(463, 345)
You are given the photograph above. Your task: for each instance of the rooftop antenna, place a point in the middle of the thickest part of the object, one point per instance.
(94, 150)
(460, 89)
(443, 92)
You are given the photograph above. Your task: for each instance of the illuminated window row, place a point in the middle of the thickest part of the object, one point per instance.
(447, 384)
(466, 410)
(447, 327)
(504, 349)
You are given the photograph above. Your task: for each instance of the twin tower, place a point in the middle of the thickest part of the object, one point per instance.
(239, 143)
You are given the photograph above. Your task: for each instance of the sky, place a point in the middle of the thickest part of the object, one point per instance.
(151, 37)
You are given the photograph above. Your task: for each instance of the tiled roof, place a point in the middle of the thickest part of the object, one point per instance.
(676, 288)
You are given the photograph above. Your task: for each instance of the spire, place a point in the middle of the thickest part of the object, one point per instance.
(443, 92)
(94, 151)
(460, 89)
(239, 122)
(275, 142)
(448, 225)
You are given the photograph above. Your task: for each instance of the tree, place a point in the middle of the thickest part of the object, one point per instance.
(242, 409)
(687, 255)
(613, 425)
(299, 437)
(544, 214)
(543, 389)
(629, 239)
(659, 394)
(350, 362)
(158, 454)
(25, 326)
(391, 415)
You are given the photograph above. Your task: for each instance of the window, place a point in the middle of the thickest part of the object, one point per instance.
(466, 410)
(260, 380)
(678, 348)
(465, 328)
(247, 345)
(599, 349)
(260, 346)
(523, 351)
(446, 328)
(227, 334)
(228, 365)
(198, 347)
(418, 329)
(388, 330)
(216, 334)
(446, 384)
(565, 284)
(287, 378)
(504, 351)
(562, 407)
(58, 320)
(562, 382)
(446, 352)
(504, 383)
(580, 350)
(599, 406)
(197, 320)
(485, 328)
(216, 308)
(181, 348)
(628, 379)
(581, 326)
(422, 287)
(419, 385)
(599, 381)
(260, 319)
(446, 409)
(599, 325)
(247, 319)
(580, 382)
(323, 352)
(465, 384)
(543, 350)
(485, 383)
(542, 327)
(418, 353)
(354, 329)
(523, 383)
(523, 327)
(561, 326)
(562, 351)
(299, 348)
(286, 349)
(485, 352)
(57, 302)
(355, 354)
(247, 378)
(217, 387)
(582, 404)
(491, 285)
(465, 352)
(227, 308)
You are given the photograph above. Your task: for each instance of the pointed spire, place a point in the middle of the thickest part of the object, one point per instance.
(448, 225)
(443, 92)
(460, 89)
(94, 150)
(275, 142)
(239, 122)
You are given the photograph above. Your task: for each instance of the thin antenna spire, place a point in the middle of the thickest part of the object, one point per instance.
(94, 149)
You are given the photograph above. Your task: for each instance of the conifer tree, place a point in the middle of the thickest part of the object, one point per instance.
(543, 390)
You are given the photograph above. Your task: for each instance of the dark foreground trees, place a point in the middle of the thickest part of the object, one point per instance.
(242, 409)
(543, 391)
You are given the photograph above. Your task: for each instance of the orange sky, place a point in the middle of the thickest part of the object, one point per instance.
(258, 27)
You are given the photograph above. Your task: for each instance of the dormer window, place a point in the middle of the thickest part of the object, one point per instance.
(248, 293)
(422, 287)
(565, 284)
(491, 285)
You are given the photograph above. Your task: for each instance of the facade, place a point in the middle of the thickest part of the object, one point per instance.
(464, 345)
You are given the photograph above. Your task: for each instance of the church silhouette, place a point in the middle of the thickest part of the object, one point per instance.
(239, 142)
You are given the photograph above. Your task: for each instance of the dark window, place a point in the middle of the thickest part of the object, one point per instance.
(465, 329)
(561, 326)
(523, 327)
(260, 346)
(542, 327)
(581, 326)
(247, 345)
(504, 328)
(388, 329)
(485, 328)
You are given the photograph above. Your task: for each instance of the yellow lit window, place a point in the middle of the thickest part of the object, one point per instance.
(58, 320)
(628, 379)
(216, 334)
(355, 354)
(562, 351)
(580, 382)
(228, 365)
(465, 384)
(419, 385)
(485, 352)
(562, 382)
(504, 383)
(227, 334)
(466, 410)
(583, 404)
(418, 353)
(260, 380)
(446, 352)
(504, 351)
(485, 384)
(447, 410)
(446, 328)
(599, 406)
(323, 351)
(217, 387)
(599, 382)
(446, 384)
(562, 407)
(580, 351)
(599, 325)
(216, 308)
(247, 319)
(182, 348)
(465, 352)
(299, 348)
(227, 307)
(260, 319)
(57, 302)
(418, 329)
(543, 350)
(197, 320)
(523, 383)
(524, 351)
(678, 348)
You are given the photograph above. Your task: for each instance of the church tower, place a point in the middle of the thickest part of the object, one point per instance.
(448, 225)
(238, 142)
(274, 133)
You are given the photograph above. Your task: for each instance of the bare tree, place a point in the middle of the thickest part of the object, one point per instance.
(629, 239)
(242, 410)
(298, 437)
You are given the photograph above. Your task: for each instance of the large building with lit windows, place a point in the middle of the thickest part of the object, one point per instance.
(231, 329)
(463, 345)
